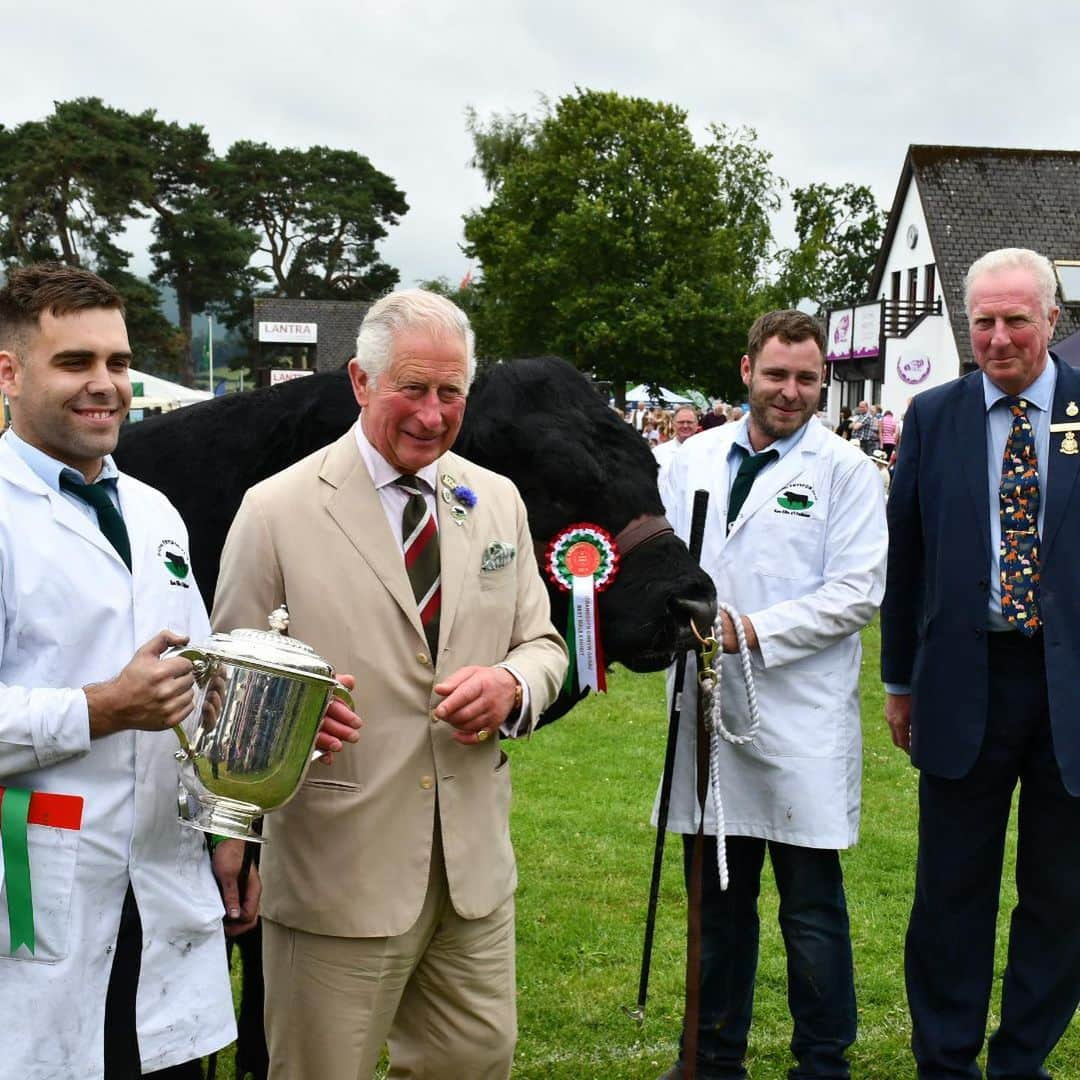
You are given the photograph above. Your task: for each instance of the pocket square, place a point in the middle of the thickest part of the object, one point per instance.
(497, 554)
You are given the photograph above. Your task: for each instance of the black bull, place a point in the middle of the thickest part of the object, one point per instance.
(536, 421)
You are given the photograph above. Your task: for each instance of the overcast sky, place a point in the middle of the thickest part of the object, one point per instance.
(835, 93)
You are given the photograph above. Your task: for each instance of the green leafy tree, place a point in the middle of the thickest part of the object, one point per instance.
(318, 214)
(613, 239)
(839, 229)
(76, 179)
(197, 250)
(466, 294)
(71, 184)
(500, 140)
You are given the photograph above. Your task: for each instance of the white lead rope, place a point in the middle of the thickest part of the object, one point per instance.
(709, 679)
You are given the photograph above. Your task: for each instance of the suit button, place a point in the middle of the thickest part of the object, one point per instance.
(984, 585)
(427, 783)
(434, 718)
(978, 633)
(422, 658)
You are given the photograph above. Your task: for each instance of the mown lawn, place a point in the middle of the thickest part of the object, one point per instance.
(583, 791)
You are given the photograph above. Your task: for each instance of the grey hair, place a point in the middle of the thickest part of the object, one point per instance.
(1035, 264)
(404, 311)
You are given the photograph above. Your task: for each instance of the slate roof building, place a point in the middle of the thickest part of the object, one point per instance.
(308, 335)
(953, 204)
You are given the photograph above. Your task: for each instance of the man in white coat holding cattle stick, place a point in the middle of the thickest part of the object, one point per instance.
(795, 542)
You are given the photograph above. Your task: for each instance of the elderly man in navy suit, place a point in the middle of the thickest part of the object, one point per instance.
(980, 650)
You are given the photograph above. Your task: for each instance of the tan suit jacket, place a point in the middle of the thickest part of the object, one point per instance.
(349, 856)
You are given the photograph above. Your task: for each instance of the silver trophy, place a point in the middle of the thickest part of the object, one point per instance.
(248, 744)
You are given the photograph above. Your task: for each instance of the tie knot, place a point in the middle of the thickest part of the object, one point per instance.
(752, 464)
(95, 494)
(1016, 404)
(410, 483)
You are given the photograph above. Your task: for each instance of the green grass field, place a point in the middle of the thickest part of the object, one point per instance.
(583, 792)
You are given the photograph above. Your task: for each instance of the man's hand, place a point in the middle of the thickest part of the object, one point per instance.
(339, 725)
(150, 694)
(728, 641)
(898, 717)
(477, 701)
(241, 911)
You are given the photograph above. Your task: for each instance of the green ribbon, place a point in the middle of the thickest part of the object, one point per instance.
(13, 813)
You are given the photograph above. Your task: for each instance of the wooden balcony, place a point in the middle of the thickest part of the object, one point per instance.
(902, 316)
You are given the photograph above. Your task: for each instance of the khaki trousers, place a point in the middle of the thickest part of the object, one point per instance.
(442, 994)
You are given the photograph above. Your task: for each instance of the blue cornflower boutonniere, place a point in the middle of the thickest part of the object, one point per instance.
(459, 498)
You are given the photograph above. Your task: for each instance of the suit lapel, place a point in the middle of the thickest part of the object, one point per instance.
(355, 506)
(1061, 469)
(971, 439)
(457, 541)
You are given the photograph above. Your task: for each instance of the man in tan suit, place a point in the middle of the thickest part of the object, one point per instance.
(389, 880)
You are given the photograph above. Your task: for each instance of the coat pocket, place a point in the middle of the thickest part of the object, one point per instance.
(795, 548)
(40, 915)
(802, 717)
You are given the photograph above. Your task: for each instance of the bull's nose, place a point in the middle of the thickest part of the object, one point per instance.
(686, 609)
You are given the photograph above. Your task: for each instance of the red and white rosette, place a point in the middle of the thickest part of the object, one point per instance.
(583, 561)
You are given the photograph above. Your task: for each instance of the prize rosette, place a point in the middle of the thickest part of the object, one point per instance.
(583, 560)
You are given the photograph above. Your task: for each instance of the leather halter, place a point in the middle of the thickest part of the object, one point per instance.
(638, 531)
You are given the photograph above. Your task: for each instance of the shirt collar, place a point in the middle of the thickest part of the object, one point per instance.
(381, 471)
(48, 470)
(781, 446)
(1040, 393)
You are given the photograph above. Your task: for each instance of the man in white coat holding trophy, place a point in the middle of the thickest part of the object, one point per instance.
(112, 958)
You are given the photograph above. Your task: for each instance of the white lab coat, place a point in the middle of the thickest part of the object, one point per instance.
(809, 579)
(664, 454)
(71, 614)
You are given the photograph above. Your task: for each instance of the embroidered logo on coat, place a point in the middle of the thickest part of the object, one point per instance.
(175, 560)
(796, 498)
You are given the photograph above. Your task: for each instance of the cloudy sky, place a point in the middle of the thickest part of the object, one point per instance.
(836, 93)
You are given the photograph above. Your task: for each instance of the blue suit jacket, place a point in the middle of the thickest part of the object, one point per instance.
(934, 615)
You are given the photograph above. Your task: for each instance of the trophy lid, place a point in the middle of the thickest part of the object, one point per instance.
(269, 649)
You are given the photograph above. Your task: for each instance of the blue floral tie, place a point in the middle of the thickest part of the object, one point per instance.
(1018, 554)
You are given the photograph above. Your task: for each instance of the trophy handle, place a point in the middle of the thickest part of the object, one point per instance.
(200, 663)
(342, 694)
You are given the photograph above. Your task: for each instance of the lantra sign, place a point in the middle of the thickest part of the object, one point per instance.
(289, 333)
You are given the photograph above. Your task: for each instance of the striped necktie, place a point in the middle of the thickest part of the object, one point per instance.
(1019, 507)
(420, 541)
(109, 520)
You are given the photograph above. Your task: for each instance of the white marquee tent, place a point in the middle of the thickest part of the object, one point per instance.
(667, 397)
(158, 393)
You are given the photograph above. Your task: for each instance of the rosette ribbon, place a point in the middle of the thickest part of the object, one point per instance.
(583, 560)
(18, 809)
(14, 810)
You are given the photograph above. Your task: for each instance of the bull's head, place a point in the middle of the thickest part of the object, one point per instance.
(540, 423)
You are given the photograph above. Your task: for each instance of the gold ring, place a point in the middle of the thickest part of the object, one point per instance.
(482, 734)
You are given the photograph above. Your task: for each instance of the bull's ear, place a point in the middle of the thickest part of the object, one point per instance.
(567, 461)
